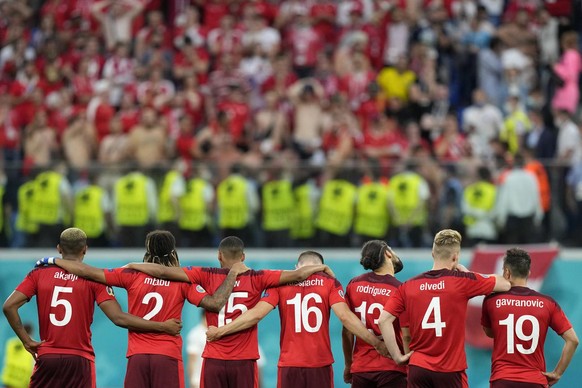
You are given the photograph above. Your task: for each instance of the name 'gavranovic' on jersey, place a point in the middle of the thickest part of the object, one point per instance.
(501, 302)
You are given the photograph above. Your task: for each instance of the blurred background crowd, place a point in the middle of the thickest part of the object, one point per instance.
(293, 122)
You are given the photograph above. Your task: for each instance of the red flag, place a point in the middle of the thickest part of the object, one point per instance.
(489, 260)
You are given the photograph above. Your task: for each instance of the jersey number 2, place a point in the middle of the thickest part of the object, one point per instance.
(437, 324)
(157, 307)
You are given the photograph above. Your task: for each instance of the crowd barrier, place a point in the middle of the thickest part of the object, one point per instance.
(110, 342)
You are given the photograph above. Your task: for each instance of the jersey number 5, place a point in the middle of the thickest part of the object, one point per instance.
(434, 308)
(55, 301)
(230, 307)
(516, 330)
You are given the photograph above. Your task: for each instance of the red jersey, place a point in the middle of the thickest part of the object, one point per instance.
(157, 300)
(436, 304)
(245, 295)
(519, 319)
(304, 311)
(65, 306)
(366, 295)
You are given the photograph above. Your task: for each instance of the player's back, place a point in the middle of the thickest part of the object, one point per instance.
(66, 304)
(519, 319)
(304, 309)
(154, 299)
(436, 304)
(245, 295)
(366, 296)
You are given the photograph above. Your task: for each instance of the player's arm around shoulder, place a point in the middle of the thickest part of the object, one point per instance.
(217, 301)
(176, 274)
(303, 273)
(77, 268)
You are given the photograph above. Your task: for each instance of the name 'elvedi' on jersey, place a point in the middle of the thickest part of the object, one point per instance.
(432, 286)
(519, 303)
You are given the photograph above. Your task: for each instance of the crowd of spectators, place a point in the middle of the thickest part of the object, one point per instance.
(453, 84)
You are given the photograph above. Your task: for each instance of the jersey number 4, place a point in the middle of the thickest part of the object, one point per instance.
(437, 324)
(515, 329)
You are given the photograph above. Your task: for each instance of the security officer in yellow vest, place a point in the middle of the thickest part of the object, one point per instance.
(26, 229)
(196, 211)
(478, 207)
(305, 201)
(173, 187)
(408, 195)
(336, 211)
(237, 205)
(93, 213)
(135, 206)
(5, 211)
(52, 206)
(18, 363)
(371, 219)
(277, 207)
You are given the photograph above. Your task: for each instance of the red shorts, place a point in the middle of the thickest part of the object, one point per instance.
(292, 377)
(423, 378)
(515, 384)
(154, 370)
(388, 379)
(63, 371)
(229, 374)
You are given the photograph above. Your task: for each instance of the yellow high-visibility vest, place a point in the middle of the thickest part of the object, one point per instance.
(233, 209)
(403, 192)
(47, 202)
(166, 211)
(131, 200)
(302, 217)
(336, 208)
(19, 365)
(89, 215)
(193, 212)
(24, 220)
(277, 205)
(372, 210)
(479, 195)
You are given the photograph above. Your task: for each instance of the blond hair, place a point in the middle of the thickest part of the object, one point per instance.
(446, 243)
(73, 241)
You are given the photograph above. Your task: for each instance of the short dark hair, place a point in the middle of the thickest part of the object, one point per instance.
(518, 262)
(308, 255)
(231, 247)
(72, 241)
(161, 249)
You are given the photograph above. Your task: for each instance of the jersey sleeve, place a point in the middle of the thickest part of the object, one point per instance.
(269, 278)
(271, 296)
(395, 304)
(479, 285)
(28, 285)
(118, 277)
(195, 274)
(485, 318)
(103, 293)
(337, 293)
(558, 321)
(195, 293)
(404, 319)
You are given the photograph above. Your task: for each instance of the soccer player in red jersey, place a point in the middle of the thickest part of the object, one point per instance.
(231, 361)
(436, 305)
(156, 360)
(65, 303)
(366, 296)
(304, 310)
(518, 321)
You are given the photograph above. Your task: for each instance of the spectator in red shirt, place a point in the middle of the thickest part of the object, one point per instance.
(452, 145)
(304, 43)
(372, 106)
(354, 85)
(119, 71)
(99, 111)
(214, 11)
(155, 28)
(83, 83)
(225, 39)
(188, 26)
(384, 141)
(237, 109)
(190, 60)
(156, 92)
(186, 144)
(323, 14)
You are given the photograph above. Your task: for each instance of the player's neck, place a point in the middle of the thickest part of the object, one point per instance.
(385, 270)
(73, 257)
(517, 282)
(440, 265)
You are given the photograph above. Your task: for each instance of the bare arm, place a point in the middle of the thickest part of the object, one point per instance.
(112, 309)
(15, 301)
(176, 274)
(501, 284)
(567, 353)
(303, 273)
(406, 338)
(354, 325)
(386, 324)
(82, 270)
(246, 320)
(348, 348)
(217, 301)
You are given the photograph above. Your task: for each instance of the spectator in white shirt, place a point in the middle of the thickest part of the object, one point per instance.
(482, 121)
